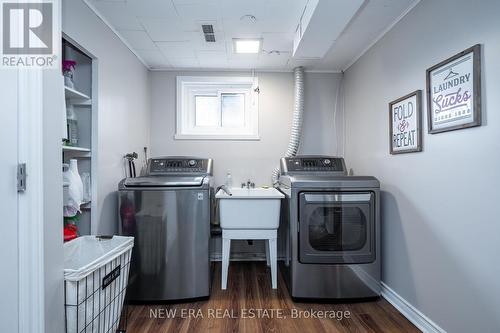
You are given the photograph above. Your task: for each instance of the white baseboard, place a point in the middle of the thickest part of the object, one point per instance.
(421, 321)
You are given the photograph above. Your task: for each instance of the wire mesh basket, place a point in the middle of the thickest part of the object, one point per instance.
(96, 277)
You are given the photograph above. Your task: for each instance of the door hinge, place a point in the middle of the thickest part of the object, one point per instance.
(21, 177)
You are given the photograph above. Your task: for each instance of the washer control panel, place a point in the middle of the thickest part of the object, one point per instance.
(179, 165)
(314, 164)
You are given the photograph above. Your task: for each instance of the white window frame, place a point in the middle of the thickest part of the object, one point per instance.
(190, 86)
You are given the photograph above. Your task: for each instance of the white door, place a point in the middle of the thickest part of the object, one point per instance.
(9, 254)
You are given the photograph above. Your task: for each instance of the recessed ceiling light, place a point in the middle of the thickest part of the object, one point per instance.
(244, 45)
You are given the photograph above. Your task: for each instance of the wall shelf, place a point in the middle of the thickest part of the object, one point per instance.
(75, 97)
(76, 152)
(72, 148)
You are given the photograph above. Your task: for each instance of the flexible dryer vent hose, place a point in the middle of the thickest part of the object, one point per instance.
(296, 132)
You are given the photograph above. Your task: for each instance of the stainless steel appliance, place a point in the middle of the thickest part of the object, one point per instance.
(329, 229)
(168, 211)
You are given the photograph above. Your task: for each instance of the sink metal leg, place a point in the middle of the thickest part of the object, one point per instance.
(268, 235)
(267, 253)
(226, 249)
(273, 258)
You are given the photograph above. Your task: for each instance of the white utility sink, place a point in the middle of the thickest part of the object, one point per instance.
(254, 208)
(252, 213)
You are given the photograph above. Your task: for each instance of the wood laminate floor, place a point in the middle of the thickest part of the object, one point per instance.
(251, 305)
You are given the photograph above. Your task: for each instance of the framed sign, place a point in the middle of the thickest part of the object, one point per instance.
(405, 124)
(454, 92)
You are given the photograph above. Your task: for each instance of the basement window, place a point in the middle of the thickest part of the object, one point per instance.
(217, 108)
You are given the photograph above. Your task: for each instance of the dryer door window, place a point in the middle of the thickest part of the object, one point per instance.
(336, 227)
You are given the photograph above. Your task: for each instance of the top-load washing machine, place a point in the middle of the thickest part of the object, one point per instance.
(329, 230)
(168, 211)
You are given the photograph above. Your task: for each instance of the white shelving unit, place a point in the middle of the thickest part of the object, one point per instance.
(82, 97)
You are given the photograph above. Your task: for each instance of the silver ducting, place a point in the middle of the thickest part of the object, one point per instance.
(296, 132)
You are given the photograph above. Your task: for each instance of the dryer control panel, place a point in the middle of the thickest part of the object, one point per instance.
(313, 164)
(179, 165)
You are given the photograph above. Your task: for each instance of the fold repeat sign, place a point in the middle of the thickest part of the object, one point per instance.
(28, 34)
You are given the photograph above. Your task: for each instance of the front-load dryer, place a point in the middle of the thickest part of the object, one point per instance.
(329, 230)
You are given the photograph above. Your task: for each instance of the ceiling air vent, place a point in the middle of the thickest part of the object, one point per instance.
(208, 31)
(210, 38)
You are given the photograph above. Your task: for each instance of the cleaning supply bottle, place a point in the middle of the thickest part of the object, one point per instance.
(229, 180)
(72, 124)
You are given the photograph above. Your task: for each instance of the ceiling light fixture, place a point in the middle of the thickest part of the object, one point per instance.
(245, 45)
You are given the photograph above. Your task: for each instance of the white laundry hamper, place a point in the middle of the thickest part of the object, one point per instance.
(95, 282)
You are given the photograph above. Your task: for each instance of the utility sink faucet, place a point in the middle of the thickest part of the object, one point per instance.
(225, 189)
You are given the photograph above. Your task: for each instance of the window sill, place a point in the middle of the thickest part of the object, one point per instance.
(208, 137)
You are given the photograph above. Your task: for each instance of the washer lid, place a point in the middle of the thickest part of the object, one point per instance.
(164, 181)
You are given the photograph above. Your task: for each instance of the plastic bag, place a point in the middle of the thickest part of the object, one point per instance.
(75, 192)
(84, 255)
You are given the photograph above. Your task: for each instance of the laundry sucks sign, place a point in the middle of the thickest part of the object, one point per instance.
(452, 91)
(405, 131)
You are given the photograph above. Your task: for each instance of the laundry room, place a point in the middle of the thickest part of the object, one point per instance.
(250, 166)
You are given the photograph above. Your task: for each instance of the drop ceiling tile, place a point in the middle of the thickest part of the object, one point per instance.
(169, 22)
(237, 29)
(152, 8)
(232, 8)
(154, 58)
(139, 40)
(117, 14)
(242, 63)
(270, 16)
(274, 60)
(212, 59)
(205, 56)
(165, 30)
(198, 11)
(176, 49)
(277, 41)
(211, 54)
(184, 62)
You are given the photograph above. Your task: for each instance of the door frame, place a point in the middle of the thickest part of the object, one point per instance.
(37, 99)
(31, 223)
(30, 202)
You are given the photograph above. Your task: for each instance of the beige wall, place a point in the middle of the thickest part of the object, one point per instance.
(253, 160)
(123, 109)
(440, 221)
